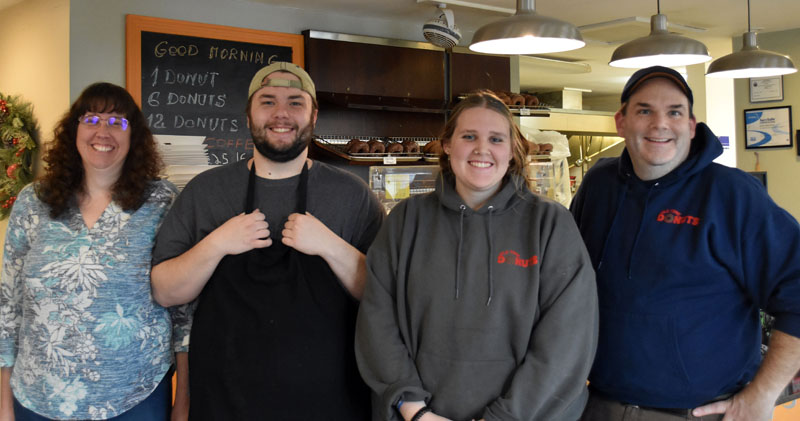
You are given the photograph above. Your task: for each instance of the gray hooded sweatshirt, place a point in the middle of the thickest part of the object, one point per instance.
(488, 313)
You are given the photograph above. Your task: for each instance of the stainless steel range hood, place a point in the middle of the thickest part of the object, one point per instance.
(568, 117)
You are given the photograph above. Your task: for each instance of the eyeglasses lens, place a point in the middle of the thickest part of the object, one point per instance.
(114, 123)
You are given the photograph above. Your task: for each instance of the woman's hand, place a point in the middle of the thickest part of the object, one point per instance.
(6, 397)
(7, 413)
(409, 409)
(430, 416)
(180, 409)
(180, 412)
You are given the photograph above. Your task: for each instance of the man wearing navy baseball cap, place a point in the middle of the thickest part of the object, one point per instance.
(272, 251)
(686, 252)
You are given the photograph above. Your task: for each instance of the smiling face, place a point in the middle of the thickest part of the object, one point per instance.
(479, 152)
(281, 120)
(103, 149)
(658, 128)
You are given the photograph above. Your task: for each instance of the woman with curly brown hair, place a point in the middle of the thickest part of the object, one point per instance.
(78, 324)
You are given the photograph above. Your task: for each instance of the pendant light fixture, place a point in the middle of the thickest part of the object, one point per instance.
(660, 48)
(527, 32)
(751, 61)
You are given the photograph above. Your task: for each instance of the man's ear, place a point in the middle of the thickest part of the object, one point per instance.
(692, 126)
(619, 120)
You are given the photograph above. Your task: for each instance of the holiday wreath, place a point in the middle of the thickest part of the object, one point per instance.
(18, 143)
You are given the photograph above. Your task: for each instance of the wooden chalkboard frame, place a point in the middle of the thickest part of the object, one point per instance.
(135, 24)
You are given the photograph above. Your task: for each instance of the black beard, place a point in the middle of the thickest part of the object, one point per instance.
(287, 154)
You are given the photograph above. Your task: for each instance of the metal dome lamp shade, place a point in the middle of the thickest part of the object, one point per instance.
(526, 32)
(751, 61)
(660, 48)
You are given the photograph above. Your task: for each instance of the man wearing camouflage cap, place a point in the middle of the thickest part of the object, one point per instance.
(273, 250)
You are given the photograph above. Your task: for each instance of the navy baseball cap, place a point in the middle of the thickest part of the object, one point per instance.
(648, 73)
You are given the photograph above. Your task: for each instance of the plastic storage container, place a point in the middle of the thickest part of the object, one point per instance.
(540, 176)
(392, 184)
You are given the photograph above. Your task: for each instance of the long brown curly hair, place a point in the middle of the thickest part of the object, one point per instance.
(64, 177)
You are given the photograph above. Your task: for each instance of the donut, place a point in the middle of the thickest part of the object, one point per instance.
(376, 146)
(434, 147)
(357, 146)
(504, 96)
(394, 147)
(517, 100)
(410, 146)
(531, 100)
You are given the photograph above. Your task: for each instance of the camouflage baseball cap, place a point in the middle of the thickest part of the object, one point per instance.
(260, 79)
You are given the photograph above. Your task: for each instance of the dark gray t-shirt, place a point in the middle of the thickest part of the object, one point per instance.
(342, 201)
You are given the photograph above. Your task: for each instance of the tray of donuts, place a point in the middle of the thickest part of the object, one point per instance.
(521, 103)
(364, 148)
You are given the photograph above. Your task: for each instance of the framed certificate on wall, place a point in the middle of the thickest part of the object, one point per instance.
(768, 127)
(764, 89)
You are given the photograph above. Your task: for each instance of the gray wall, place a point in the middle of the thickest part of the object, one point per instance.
(97, 28)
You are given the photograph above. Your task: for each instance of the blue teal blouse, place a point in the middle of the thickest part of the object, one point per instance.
(77, 319)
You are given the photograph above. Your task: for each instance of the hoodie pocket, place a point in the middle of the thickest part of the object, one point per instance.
(638, 356)
(461, 389)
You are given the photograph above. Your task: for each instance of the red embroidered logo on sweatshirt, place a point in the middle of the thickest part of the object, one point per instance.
(671, 216)
(512, 257)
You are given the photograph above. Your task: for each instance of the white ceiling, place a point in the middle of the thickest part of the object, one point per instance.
(718, 20)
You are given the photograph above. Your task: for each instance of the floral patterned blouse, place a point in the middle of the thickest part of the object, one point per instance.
(77, 319)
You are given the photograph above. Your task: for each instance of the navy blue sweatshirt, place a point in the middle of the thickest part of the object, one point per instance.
(683, 264)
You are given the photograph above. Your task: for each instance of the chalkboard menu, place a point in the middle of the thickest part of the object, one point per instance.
(191, 79)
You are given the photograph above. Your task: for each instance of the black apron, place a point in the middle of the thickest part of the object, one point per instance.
(273, 336)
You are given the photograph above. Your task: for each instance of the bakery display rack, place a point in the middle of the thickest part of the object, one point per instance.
(337, 145)
(519, 108)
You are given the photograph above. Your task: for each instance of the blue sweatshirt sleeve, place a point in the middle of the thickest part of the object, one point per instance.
(771, 259)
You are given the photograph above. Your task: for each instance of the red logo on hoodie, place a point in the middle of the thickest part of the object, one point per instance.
(671, 216)
(512, 257)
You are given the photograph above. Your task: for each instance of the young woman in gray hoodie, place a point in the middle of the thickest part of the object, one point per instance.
(481, 299)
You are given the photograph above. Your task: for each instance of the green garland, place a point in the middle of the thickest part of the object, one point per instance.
(18, 143)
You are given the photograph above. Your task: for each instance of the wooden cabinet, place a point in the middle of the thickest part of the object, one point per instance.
(368, 89)
(472, 71)
(371, 87)
(378, 71)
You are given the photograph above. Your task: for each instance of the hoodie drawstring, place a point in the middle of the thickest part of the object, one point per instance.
(491, 253)
(460, 240)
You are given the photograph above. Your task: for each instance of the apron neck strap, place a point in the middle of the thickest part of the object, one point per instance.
(302, 189)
